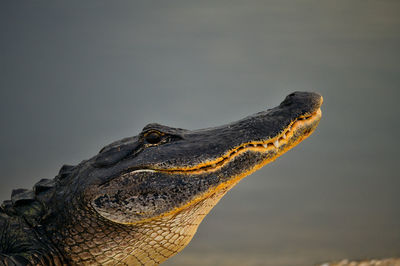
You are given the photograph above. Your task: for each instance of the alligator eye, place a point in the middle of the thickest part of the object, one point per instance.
(153, 137)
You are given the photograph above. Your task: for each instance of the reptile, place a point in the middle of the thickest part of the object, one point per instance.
(140, 200)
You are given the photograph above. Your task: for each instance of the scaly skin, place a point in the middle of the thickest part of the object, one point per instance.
(141, 199)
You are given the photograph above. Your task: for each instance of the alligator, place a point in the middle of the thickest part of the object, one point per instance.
(140, 200)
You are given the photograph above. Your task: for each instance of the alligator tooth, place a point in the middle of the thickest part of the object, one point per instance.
(213, 165)
(265, 145)
(284, 136)
(276, 143)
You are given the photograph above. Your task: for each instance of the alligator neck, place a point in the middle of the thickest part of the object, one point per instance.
(89, 238)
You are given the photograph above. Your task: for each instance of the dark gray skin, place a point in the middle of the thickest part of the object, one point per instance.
(89, 211)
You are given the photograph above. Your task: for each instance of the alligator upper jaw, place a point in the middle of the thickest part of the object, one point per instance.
(274, 131)
(295, 132)
(206, 147)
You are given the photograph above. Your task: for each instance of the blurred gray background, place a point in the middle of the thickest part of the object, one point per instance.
(76, 75)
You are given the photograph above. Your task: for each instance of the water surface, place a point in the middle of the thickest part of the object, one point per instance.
(78, 75)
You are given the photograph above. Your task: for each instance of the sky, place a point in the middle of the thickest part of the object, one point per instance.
(77, 75)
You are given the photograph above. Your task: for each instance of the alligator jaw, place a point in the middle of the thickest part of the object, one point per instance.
(143, 195)
(297, 131)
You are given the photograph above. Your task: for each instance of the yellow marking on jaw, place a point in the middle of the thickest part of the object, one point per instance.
(234, 180)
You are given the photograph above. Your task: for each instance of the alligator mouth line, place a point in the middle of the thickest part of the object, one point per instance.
(278, 144)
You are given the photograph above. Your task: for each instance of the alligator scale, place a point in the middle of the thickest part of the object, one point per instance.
(140, 200)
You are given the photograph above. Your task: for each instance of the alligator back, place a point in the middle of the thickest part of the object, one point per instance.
(23, 240)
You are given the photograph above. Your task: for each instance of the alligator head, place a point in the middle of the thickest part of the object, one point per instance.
(141, 199)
